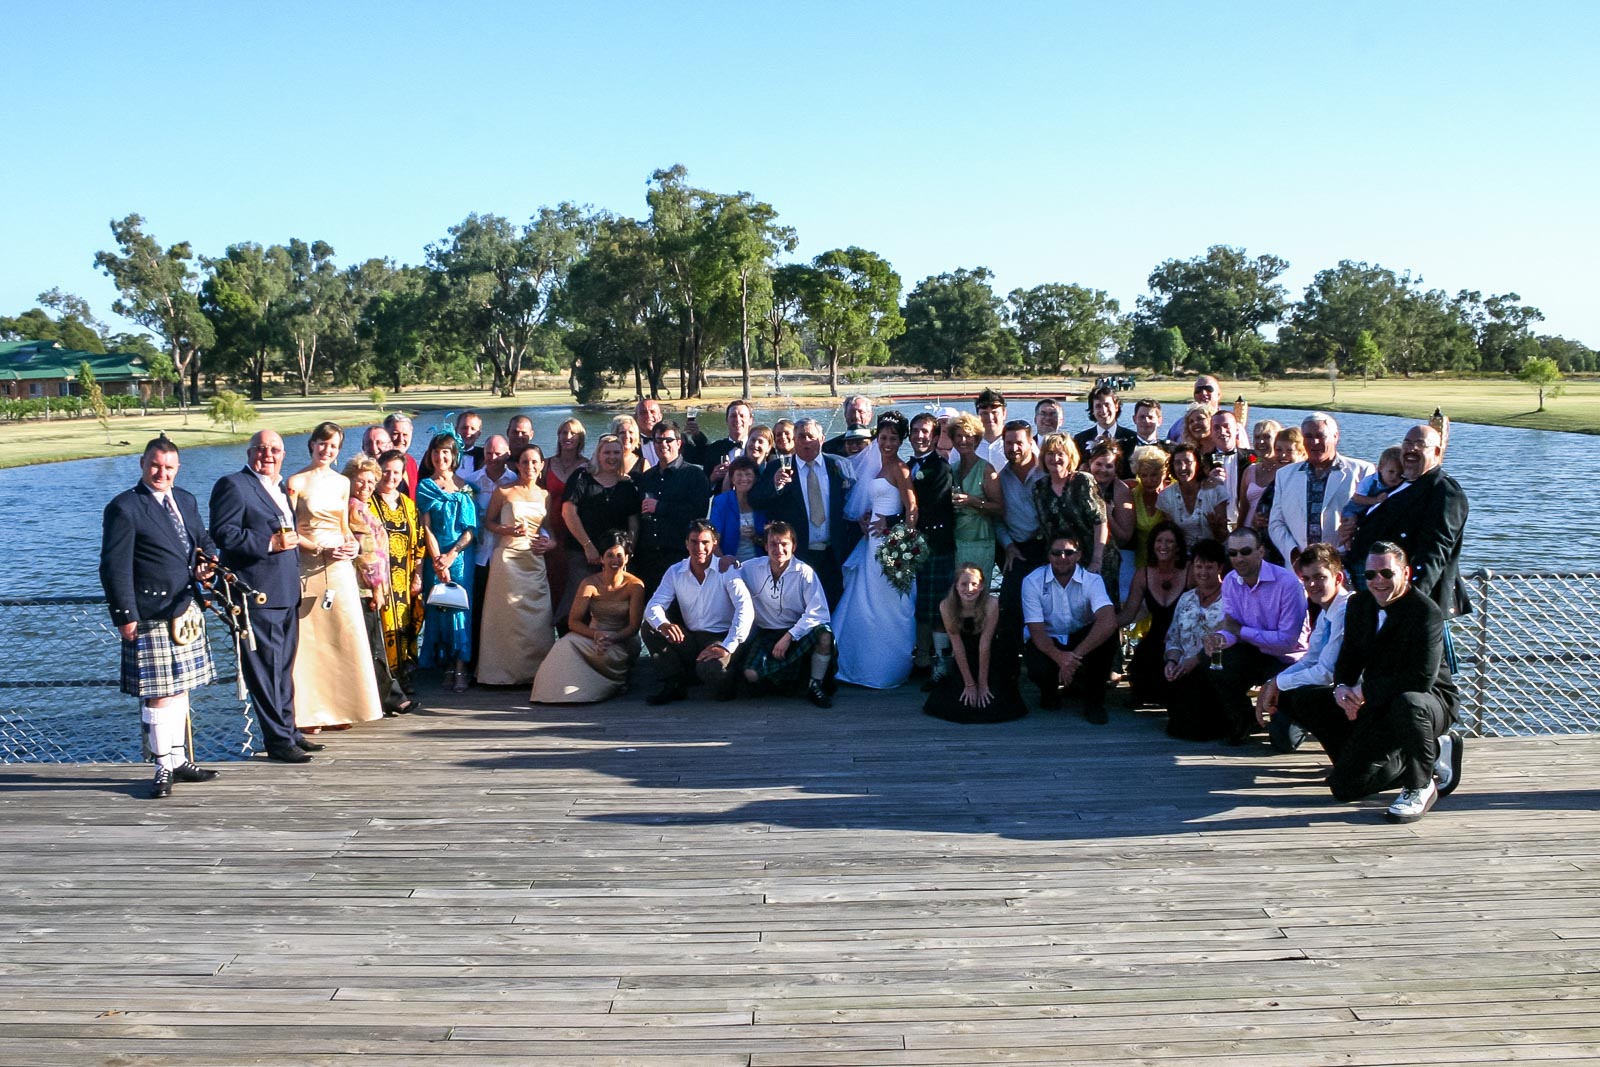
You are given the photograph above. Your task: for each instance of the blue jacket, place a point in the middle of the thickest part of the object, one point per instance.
(243, 520)
(145, 569)
(725, 517)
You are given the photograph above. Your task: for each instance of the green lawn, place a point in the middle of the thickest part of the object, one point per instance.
(1497, 401)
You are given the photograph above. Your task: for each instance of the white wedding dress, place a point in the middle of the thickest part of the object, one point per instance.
(875, 627)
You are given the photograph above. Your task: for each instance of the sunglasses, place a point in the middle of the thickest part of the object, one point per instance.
(1063, 553)
(667, 440)
(1235, 553)
(1385, 573)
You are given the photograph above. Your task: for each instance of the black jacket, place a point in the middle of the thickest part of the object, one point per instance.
(682, 495)
(1426, 519)
(243, 520)
(931, 484)
(145, 568)
(1405, 656)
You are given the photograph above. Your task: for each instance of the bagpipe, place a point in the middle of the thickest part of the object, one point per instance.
(226, 595)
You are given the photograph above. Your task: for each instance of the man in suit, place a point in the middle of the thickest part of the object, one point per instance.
(253, 525)
(1307, 497)
(932, 484)
(1105, 408)
(1386, 722)
(1425, 515)
(809, 494)
(714, 458)
(148, 567)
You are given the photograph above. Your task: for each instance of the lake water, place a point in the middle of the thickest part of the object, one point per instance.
(1526, 513)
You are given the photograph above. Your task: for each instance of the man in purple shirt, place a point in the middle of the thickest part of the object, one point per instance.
(1263, 628)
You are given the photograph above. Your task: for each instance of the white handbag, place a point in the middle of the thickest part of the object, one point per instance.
(448, 595)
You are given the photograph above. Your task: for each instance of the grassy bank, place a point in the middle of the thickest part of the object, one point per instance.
(1498, 402)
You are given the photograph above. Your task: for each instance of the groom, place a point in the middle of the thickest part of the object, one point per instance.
(808, 492)
(253, 526)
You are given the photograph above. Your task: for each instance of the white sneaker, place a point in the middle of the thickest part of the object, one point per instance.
(1447, 769)
(1412, 804)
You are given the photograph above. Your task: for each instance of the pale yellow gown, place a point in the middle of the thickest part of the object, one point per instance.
(518, 620)
(333, 678)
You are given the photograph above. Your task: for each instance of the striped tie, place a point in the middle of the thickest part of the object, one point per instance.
(177, 520)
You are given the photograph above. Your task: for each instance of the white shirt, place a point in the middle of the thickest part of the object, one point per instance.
(792, 601)
(819, 534)
(275, 491)
(993, 451)
(1327, 638)
(482, 491)
(718, 605)
(1062, 609)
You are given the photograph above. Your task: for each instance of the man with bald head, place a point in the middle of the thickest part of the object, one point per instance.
(1308, 497)
(1426, 515)
(399, 427)
(252, 523)
(376, 441)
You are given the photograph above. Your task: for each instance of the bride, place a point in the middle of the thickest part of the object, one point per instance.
(875, 622)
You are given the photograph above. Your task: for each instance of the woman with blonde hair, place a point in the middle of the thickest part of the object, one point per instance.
(1260, 475)
(518, 623)
(974, 692)
(976, 494)
(1149, 478)
(1197, 426)
(1070, 506)
(374, 576)
(626, 429)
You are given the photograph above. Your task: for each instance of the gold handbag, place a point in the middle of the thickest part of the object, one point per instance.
(188, 627)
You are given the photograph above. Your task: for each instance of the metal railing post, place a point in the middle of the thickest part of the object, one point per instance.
(1480, 687)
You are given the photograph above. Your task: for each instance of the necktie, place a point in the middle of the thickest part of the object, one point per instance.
(177, 520)
(814, 508)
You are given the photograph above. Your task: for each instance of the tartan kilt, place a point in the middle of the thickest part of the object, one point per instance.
(793, 670)
(153, 666)
(933, 584)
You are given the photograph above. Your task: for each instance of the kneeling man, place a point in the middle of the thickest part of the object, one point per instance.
(715, 608)
(1386, 721)
(792, 644)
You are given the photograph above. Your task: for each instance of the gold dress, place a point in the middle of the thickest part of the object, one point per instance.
(577, 671)
(518, 622)
(333, 677)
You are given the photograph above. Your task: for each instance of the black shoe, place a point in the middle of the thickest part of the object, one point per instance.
(1096, 715)
(191, 772)
(1049, 700)
(818, 695)
(307, 745)
(726, 693)
(292, 754)
(666, 696)
(162, 785)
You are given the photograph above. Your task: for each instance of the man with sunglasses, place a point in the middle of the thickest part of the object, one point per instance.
(1071, 626)
(1387, 720)
(1263, 629)
(673, 494)
(1207, 391)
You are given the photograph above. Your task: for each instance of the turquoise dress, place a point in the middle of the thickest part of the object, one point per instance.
(446, 632)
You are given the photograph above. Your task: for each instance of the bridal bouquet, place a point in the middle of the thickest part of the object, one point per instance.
(901, 554)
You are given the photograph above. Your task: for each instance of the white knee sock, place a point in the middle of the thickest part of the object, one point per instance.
(165, 725)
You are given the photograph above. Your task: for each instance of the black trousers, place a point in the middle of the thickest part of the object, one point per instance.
(1389, 746)
(1243, 666)
(1090, 681)
(830, 571)
(678, 665)
(269, 674)
(1009, 636)
(1193, 711)
(480, 590)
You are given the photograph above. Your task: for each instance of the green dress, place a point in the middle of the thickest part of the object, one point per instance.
(974, 529)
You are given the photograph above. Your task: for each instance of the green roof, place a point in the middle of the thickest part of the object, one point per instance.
(35, 360)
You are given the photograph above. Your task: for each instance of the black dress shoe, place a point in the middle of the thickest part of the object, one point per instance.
(665, 696)
(818, 695)
(162, 785)
(308, 745)
(191, 772)
(292, 754)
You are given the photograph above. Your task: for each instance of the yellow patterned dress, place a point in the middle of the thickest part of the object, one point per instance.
(402, 615)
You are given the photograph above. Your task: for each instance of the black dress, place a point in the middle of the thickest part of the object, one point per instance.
(1147, 673)
(1005, 701)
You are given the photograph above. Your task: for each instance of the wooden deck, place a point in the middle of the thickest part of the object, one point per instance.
(774, 885)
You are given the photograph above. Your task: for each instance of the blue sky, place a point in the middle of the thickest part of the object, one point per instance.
(1049, 142)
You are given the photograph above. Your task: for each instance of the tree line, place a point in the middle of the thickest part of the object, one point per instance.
(702, 281)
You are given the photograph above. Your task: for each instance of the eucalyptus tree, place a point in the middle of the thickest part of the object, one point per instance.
(1501, 328)
(749, 240)
(781, 321)
(1059, 326)
(241, 296)
(1219, 302)
(160, 290)
(953, 325)
(498, 282)
(615, 311)
(851, 300)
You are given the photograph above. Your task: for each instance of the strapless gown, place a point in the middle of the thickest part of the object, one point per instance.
(577, 671)
(875, 626)
(333, 677)
(518, 622)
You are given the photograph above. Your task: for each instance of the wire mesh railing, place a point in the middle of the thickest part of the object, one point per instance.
(1528, 662)
(59, 696)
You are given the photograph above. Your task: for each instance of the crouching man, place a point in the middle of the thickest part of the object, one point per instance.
(1386, 721)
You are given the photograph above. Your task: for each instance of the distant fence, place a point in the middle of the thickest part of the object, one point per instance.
(1528, 662)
